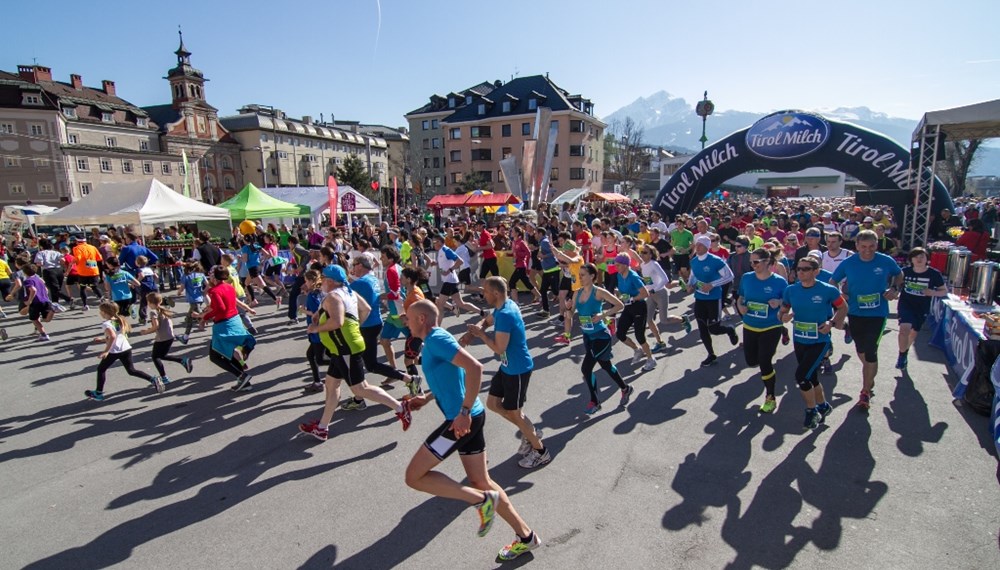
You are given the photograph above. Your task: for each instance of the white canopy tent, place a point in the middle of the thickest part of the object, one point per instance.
(316, 198)
(143, 202)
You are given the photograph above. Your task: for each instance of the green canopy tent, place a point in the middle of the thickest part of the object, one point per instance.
(253, 204)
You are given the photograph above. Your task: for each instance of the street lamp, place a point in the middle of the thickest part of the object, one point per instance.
(263, 169)
(703, 110)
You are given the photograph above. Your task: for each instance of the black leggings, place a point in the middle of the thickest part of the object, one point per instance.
(520, 275)
(53, 279)
(611, 282)
(93, 287)
(229, 364)
(598, 351)
(250, 292)
(314, 354)
(706, 311)
(759, 348)
(126, 359)
(161, 348)
(370, 355)
(550, 282)
(634, 314)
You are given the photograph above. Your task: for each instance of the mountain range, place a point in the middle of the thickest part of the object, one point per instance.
(671, 122)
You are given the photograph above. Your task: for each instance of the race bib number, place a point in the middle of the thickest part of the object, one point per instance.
(756, 310)
(872, 301)
(503, 358)
(91, 264)
(805, 331)
(698, 285)
(625, 297)
(913, 288)
(647, 280)
(277, 260)
(586, 323)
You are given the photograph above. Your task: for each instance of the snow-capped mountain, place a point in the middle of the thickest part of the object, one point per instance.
(671, 122)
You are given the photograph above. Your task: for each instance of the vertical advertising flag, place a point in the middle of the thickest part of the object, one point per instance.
(187, 170)
(331, 190)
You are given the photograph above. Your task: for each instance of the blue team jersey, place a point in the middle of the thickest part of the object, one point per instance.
(367, 288)
(194, 287)
(866, 282)
(629, 286)
(120, 289)
(585, 311)
(515, 359)
(445, 380)
(811, 307)
(253, 254)
(546, 256)
(706, 272)
(313, 302)
(756, 293)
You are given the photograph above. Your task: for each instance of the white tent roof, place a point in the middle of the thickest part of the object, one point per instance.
(572, 195)
(977, 121)
(139, 202)
(316, 198)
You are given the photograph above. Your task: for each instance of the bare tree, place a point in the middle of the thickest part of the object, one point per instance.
(954, 166)
(625, 156)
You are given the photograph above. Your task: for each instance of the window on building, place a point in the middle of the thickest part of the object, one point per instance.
(227, 163)
(456, 156)
(456, 177)
(499, 175)
(439, 181)
(72, 138)
(209, 182)
(15, 188)
(6, 128)
(553, 174)
(451, 102)
(32, 99)
(69, 112)
(576, 126)
(142, 122)
(107, 117)
(427, 162)
(201, 124)
(282, 154)
(85, 188)
(228, 181)
(435, 143)
(505, 106)
(12, 161)
(576, 173)
(45, 188)
(576, 150)
(505, 130)
(437, 162)
(106, 165)
(526, 129)
(127, 166)
(147, 167)
(82, 165)
(35, 130)
(481, 109)
(455, 133)
(482, 154)
(427, 144)
(532, 104)
(481, 132)
(435, 124)
(263, 137)
(468, 99)
(505, 152)
(165, 168)
(424, 125)
(143, 145)
(110, 142)
(556, 150)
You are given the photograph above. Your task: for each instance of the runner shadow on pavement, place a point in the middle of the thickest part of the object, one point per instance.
(907, 416)
(241, 464)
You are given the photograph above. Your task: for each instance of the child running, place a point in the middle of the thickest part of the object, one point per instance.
(193, 287)
(161, 325)
(119, 284)
(39, 307)
(116, 347)
(316, 350)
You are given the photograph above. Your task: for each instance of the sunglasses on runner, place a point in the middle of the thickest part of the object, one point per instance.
(806, 268)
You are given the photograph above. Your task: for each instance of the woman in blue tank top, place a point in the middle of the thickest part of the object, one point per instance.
(589, 303)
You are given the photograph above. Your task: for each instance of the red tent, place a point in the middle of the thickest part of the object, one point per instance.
(448, 200)
(494, 200)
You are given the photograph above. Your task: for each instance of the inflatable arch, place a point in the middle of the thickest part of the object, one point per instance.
(789, 141)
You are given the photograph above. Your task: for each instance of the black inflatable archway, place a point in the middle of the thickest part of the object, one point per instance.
(789, 141)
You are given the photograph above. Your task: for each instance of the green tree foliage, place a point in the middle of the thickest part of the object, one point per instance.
(475, 181)
(354, 173)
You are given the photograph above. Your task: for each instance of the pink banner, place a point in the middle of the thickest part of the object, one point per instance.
(331, 188)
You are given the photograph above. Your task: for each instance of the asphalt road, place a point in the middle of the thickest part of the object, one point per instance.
(688, 476)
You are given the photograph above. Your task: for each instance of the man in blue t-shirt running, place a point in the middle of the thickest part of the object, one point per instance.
(453, 379)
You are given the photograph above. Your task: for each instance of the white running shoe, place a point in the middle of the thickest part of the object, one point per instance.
(637, 356)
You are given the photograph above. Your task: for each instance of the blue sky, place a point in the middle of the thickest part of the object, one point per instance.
(375, 61)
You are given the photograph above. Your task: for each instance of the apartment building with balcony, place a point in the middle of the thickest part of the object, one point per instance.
(276, 150)
(481, 126)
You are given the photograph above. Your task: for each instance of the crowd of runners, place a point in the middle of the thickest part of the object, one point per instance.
(783, 271)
